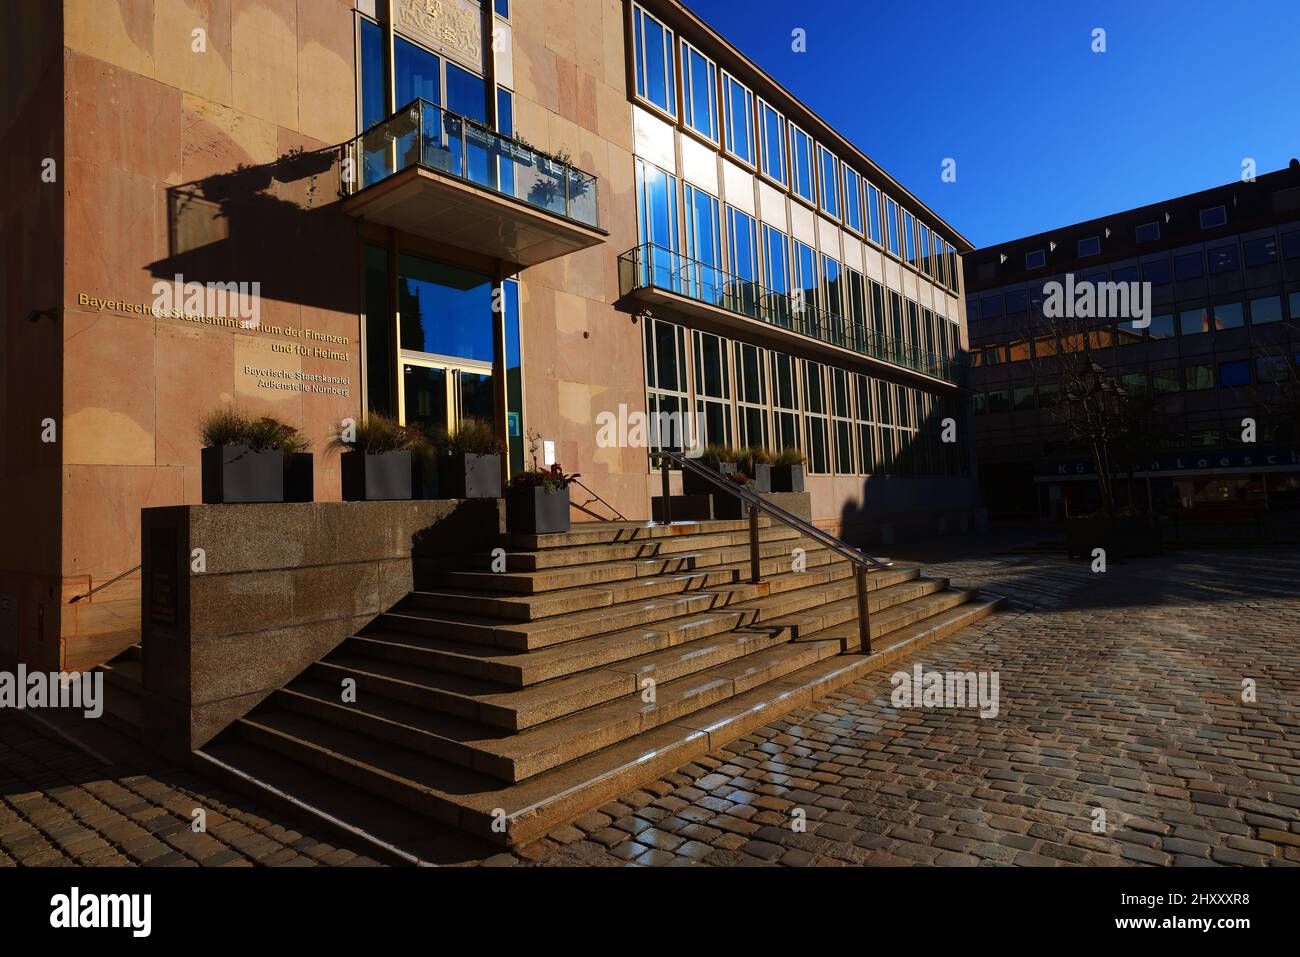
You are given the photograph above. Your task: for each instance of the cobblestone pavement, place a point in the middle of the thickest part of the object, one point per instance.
(1119, 692)
(60, 807)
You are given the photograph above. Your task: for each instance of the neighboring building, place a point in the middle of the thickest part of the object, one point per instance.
(1221, 347)
(532, 212)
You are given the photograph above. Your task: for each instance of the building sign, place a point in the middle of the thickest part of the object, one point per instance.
(1190, 461)
(453, 26)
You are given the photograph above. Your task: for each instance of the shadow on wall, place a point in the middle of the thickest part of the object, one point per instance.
(923, 489)
(278, 224)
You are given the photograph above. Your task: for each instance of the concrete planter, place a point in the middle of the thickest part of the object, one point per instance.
(377, 476)
(236, 474)
(693, 484)
(469, 476)
(762, 477)
(535, 511)
(299, 477)
(786, 478)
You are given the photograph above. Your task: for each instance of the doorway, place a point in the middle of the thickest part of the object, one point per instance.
(439, 393)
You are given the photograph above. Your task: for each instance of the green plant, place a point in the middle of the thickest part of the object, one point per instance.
(788, 457)
(470, 437)
(376, 434)
(751, 457)
(715, 454)
(229, 426)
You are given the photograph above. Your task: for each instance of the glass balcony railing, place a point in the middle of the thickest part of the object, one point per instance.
(422, 134)
(656, 267)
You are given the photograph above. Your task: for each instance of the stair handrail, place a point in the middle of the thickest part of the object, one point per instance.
(595, 497)
(116, 578)
(862, 562)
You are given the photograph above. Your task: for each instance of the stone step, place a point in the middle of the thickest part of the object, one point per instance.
(599, 533)
(723, 666)
(518, 813)
(578, 555)
(515, 669)
(774, 557)
(528, 636)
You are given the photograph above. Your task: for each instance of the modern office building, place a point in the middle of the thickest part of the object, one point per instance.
(531, 211)
(1218, 354)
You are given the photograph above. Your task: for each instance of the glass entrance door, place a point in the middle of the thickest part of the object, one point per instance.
(440, 394)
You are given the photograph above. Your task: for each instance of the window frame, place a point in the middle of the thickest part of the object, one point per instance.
(688, 103)
(729, 80)
(764, 108)
(831, 192)
(797, 135)
(640, 59)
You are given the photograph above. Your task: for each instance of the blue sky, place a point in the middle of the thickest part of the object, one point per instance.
(1044, 131)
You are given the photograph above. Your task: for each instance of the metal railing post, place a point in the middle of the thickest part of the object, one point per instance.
(755, 573)
(667, 512)
(864, 612)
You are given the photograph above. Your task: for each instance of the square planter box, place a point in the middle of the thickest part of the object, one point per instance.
(376, 477)
(299, 478)
(232, 474)
(535, 511)
(469, 476)
(762, 477)
(693, 484)
(787, 478)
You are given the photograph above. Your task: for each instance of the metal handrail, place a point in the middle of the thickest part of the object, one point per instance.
(595, 497)
(651, 265)
(116, 578)
(862, 563)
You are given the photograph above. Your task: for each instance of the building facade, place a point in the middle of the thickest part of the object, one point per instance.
(1214, 359)
(542, 213)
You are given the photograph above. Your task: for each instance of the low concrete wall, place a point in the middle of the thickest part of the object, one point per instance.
(283, 585)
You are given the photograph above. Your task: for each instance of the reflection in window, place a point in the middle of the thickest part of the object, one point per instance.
(738, 103)
(1156, 272)
(1197, 378)
(751, 395)
(1265, 310)
(853, 199)
(699, 92)
(1187, 266)
(712, 388)
(771, 127)
(873, 214)
(829, 181)
(654, 61)
(1229, 315)
(1192, 322)
(785, 402)
(1224, 259)
(1260, 252)
(801, 164)
(668, 404)
(815, 419)
(445, 310)
(1234, 374)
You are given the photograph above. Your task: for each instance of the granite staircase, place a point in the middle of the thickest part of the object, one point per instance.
(506, 702)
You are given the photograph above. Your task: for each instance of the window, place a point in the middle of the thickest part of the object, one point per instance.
(776, 260)
(828, 182)
(852, 199)
(842, 421)
(923, 250)
(991, 306)
(1224, 259)
(892, 232)
(703, 278)
(1214, 216)
(815, 424)
(1293, 305)
(801, 164)
(1234, 374)
(667, 401)
(999, 401)
(751, 395)
(909, 237)
(950, 264)
(1271, 369)
(1022, 398)
(1265, 310)
(1017, 302)
(1035, 259)
(771, 128)
(1291, 245)
(1229, 315)
(445, 310)
(1166, 380)
(785, 402)
(1188, 266)
(1018, 350)
(1162, 326)
(1135, 383)
(805, 286)
(1198, 378)
(656, 210)
(1156, 272)
(832, 300)
(699, 92)
(855, 311)
(653, 41)
(712, 389)
(1090, 246)
(873, 214)
(742, 246)
(502, 7)
(1193, 322)
(866, 436)
(374, 76)
(1260, 252)
(1147, 233)
(1049, 394)
(738, 102)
